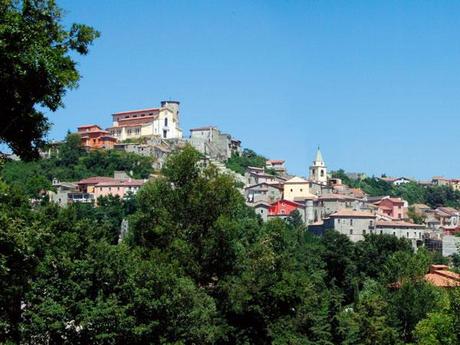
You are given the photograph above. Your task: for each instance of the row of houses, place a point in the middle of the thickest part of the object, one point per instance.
(89, 190)
(325, 203)
(453, 183)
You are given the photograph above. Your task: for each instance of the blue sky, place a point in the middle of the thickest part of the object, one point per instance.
(374, 83)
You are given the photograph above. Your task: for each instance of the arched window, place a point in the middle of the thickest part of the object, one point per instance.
(166, 122)
(322, 173)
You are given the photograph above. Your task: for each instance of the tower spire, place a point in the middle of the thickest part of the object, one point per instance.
(318, 170)
(319, 156)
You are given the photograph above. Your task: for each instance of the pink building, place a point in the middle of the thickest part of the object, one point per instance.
(120, 187)
(396, 208)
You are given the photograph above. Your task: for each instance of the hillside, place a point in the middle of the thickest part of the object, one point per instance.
(72, 163)
(413, 192)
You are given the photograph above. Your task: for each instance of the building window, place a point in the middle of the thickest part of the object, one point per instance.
(381, 232)
(351, 221)
(408, 234)
(292, 190)
(371, 223)
(301, 189)
(166, 122)
(165, 133)
(322, 173)
(351, 231)
(364, 232)
(394, 233)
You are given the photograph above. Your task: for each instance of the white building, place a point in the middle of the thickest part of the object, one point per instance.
(161, 122)
(318, 170)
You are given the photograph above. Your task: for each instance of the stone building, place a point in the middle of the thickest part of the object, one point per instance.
(352, 223)
(211, 142)
(268, 192)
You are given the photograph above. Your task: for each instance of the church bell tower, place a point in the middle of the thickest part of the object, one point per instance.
(318, 170)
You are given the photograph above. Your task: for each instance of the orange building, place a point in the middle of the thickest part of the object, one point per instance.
(94, 137)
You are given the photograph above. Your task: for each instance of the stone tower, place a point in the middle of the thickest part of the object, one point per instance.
(318, 170)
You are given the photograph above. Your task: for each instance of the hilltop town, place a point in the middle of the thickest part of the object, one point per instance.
(322, 199)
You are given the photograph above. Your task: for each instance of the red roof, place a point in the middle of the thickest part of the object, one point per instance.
(398, 224)
(346, 212)
(441, 276)
(121, 183)
(137, 111)
(87, 126)
(275, 161)
(95, 180)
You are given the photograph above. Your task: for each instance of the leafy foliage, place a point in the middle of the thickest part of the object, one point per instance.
(248, 158)
(36, 69)
(198, 267)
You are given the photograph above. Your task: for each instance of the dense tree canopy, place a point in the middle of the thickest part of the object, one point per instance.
(198, 267)
(36, 69)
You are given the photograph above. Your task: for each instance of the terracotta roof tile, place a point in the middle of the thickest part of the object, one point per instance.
(346, 212)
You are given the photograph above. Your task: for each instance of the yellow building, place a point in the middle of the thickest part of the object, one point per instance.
(297, 189)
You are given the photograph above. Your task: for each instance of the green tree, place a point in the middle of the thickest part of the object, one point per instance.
(36, 69)
(339, 264)
(18, 259)
(367, 322)
(239, 163)
(373, 253)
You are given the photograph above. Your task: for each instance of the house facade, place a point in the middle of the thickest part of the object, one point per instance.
(117, 187)
(277, 165)
(327, 204)
(268, 192)
(94, 137)
(393, 207)
(160, 122)
(297, 188)
(283, 208)
(352, 223)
